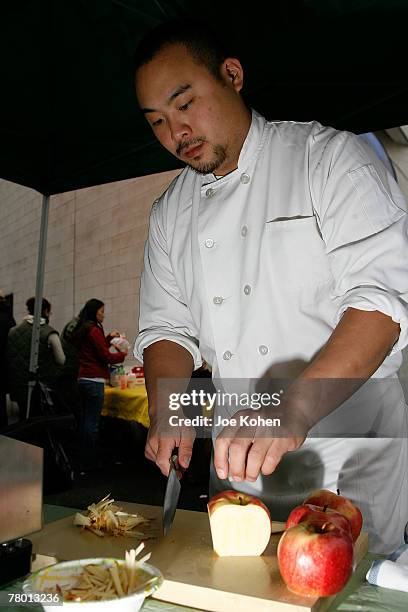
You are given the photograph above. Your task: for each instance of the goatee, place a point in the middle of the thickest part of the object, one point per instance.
(209, 167)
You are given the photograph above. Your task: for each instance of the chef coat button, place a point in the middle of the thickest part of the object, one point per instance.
(263, 349)
(244, 231)
(210, 192)
(218, 299)
(209, 243)
(227, 355)
(245, 178)
(247, 289)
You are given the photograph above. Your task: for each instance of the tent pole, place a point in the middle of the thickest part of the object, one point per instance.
(39, 287)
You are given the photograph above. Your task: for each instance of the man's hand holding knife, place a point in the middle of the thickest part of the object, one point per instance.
(171, 362)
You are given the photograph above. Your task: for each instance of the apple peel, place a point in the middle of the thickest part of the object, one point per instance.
(106, 518)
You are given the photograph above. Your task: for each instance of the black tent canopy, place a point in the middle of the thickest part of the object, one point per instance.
(69, 117)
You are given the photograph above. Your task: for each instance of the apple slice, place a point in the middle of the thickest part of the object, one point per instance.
(240, 524)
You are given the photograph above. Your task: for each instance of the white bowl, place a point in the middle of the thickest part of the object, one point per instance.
(64, 574)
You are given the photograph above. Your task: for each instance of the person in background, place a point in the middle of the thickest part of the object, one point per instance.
(6, 323)
(50, 355)
(94, 360)
(67, 380)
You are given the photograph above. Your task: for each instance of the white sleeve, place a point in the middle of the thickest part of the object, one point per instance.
(163, 314)
(362, 216)
(56, 347)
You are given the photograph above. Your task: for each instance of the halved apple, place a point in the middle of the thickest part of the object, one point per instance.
(240, 524)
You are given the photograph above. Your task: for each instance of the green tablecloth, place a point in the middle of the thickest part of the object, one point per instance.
(358, 595)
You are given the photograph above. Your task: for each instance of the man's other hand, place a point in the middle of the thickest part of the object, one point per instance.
(243, 453)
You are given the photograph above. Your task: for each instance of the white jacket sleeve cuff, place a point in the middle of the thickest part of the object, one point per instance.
(373, 298)
(147, 338)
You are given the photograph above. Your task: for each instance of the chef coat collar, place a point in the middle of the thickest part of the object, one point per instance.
(250, 148)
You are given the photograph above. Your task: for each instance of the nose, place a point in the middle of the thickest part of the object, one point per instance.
(180, 131)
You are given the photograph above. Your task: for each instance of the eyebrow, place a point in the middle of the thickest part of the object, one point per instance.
(177, 92)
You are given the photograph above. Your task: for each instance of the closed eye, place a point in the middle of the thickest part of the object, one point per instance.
(157, 122)
(185, 106)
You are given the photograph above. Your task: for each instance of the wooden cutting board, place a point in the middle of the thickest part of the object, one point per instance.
(193, 574)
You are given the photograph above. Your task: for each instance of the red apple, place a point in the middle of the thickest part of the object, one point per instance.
(315, 558)
(341, 504)
(240, 524)
(306, 511)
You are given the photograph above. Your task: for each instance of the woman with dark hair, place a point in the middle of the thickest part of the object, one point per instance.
(94, 359)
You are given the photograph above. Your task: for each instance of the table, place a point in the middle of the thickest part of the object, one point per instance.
(127, 404)
(358, 594)
(54, 513)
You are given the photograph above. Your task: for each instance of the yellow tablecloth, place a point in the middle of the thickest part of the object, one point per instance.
(127, 404)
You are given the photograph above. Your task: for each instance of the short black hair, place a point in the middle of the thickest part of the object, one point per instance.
(45, 306)
(198, 38)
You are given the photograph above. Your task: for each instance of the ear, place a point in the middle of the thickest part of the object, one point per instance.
(233, 73)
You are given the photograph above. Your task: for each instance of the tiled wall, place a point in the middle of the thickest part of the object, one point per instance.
(94, 249)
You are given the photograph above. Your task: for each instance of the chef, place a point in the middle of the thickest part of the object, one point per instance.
(279, 251)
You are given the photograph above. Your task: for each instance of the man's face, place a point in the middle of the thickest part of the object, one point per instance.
(198, 118)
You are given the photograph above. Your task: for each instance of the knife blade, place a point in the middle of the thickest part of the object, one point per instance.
(172, 493)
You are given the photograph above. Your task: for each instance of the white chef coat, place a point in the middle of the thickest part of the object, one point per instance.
(253, 271)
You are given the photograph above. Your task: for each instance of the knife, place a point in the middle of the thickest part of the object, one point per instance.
(172, 494)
